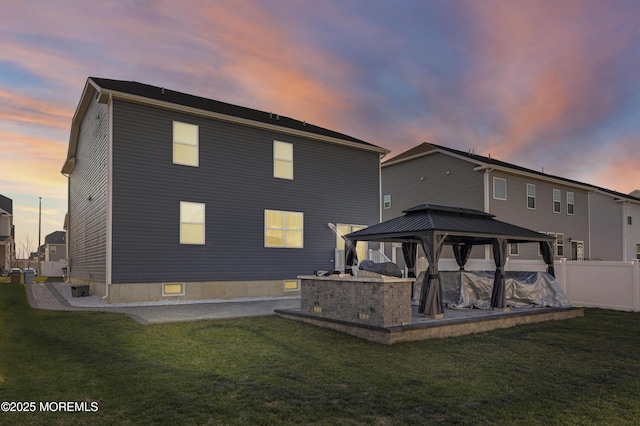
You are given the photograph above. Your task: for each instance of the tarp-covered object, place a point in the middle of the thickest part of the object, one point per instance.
(463, 289)
(386, 268)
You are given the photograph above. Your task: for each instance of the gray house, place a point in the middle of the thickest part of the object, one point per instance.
(55, 246)
(587, 221)
(177, 196)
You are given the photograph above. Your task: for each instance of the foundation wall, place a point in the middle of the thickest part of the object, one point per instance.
(212, 290)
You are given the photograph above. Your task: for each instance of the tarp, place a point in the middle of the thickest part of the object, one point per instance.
(465, 289)
(386, 268)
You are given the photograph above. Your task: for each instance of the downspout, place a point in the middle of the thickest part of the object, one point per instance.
(109, 239)
(487, 207)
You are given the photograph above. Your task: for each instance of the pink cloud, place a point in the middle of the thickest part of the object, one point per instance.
(540, 69)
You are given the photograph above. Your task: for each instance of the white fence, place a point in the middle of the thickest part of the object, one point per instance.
(608, 285)
(53, 268)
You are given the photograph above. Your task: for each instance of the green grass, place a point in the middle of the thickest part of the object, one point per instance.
(274, 371)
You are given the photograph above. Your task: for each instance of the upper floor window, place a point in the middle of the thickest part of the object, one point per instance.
(499, 188)
(531, 196)
(629, 220)
(191, 223)
(556, 201)
(282, 160)
(570, 202)
(283, 229)
(387, 201)
(185, 144)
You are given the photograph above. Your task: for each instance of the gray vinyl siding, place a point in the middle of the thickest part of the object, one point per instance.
(332, 184)
(435, 179)
(606, 227)
(542, 219)
(88, 198)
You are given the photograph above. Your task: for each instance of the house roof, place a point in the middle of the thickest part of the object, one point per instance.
(483, 162)
(57, 237)
(6, 205)
(461, 225)
(144, 93)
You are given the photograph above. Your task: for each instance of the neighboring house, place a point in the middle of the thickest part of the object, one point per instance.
(7, 240)
(55, 246)
(588, 222)
(174, 195)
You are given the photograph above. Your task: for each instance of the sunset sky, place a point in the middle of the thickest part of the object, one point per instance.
(543, 83)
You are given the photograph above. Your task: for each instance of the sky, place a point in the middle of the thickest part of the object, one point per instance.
(551, 84)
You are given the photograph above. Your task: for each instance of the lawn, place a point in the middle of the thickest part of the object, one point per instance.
(270, 370)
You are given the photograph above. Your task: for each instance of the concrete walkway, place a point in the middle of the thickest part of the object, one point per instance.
(57, 297)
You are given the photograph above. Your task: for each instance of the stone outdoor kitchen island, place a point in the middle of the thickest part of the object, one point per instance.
(381, 301)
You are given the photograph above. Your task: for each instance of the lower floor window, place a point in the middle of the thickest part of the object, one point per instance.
(283, 229)
(192, 223)
(291, 285)
(514, 249)
(173, 289)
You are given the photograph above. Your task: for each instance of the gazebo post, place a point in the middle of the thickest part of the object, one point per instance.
(498, 294)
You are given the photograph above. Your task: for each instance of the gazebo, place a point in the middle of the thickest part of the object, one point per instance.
(434, 226)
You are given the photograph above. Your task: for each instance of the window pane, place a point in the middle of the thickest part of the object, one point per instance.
(274, 238)
(274, 219)
(191, 212)
(283, 169)
(531, 202)
(191, 233)
(294, 238)
(186, 155)
(531, 190)
(283, 150)
(499, 188)
(294, 221)
(185, 133)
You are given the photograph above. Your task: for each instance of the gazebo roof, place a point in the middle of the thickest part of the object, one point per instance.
(460, 224)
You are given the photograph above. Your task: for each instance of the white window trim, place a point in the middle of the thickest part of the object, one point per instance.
(494, 188)
(182, 293)
(204, 224)
(288, 160)
(559, 201)
(531, 185)
(386, 204)
(558, 245)
(196, 145)
(284, 285)
(284, 229)
(572, 204)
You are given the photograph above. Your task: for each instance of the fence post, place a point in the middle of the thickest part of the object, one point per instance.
(561, 275)
(635, 283)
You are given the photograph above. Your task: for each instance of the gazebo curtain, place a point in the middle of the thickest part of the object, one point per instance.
(462, 252)
(498, 295)
(431, 293)
(409, 251)
(546, 248)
